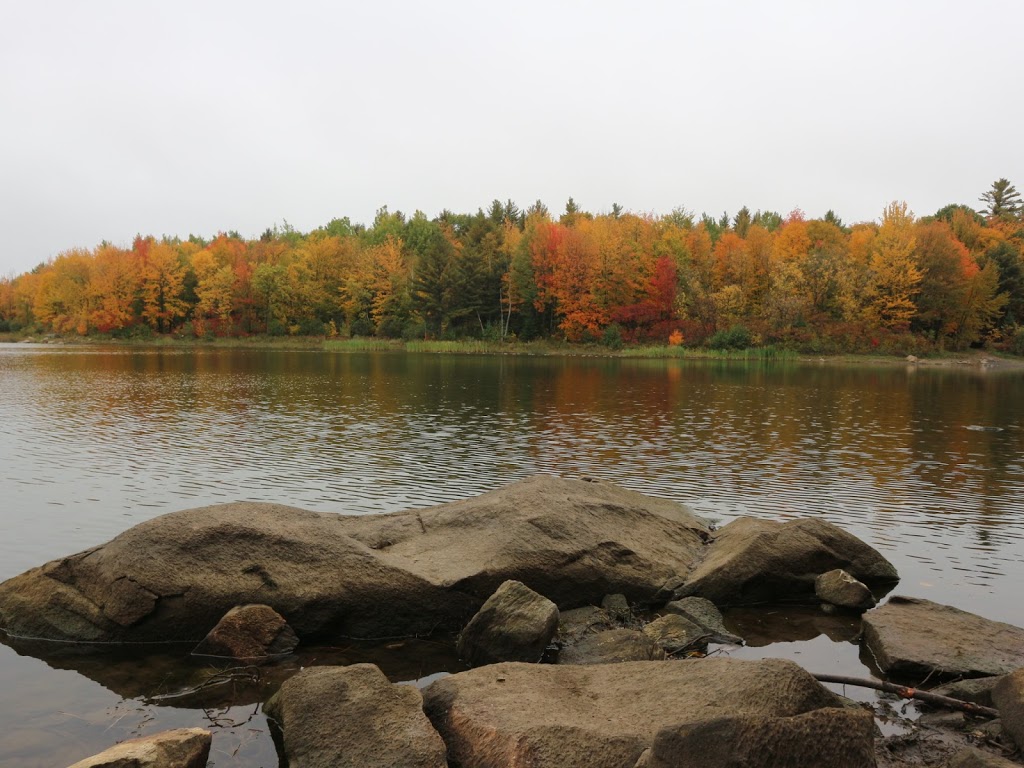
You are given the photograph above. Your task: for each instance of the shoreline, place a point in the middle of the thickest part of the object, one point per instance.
(970, 358)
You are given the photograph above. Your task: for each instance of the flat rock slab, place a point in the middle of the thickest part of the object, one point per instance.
(604, 716)
(913, 638)
(353, 717)
(180, 748)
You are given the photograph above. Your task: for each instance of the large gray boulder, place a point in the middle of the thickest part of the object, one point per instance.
(753, 561)
(514, 624)
(822, 738)
(352, 717)
(174, 577)
(606, 715)
(912, 638)
(180, 748)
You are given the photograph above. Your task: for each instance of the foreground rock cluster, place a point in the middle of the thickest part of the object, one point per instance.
(619, 593)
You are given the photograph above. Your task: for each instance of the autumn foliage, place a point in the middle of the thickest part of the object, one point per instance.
(943, 281)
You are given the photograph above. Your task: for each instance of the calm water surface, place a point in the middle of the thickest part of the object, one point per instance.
(925, 464)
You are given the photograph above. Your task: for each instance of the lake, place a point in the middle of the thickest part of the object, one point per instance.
(924, 463)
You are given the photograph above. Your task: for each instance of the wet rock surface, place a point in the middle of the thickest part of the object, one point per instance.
(180, 748)
(353, 717)
(514, 624)
(914, 639)
(606, 715)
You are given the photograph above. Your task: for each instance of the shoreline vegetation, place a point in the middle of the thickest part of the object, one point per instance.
(540, 348)
(904, 285)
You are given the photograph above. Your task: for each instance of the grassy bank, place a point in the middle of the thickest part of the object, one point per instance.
(544, 347)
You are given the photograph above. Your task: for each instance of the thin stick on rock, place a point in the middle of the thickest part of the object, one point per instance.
(910, 693)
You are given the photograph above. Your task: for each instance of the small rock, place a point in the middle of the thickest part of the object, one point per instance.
(514, 624)
(675, 633)
(840, 589)
(611, 647)
(180, 748)
(1008, 696)
(944, 719)
(912, 359)
(753, 561)
(975, 758)
(992, 730)
(618, 608)
(249, 632)
(353, 717)
(576, 624)
(706, 614)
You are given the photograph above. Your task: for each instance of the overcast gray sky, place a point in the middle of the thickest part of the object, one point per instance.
(194, 117)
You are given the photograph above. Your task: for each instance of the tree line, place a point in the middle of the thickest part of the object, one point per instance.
(945, 281)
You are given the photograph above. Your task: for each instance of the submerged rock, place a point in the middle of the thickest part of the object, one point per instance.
(705, 614)
(353, 717)
(174, 577)
(514, 624)
(180, 748)
(249, 632)
(605, 716)
(912, 638)
(752, 561)
(612, 646)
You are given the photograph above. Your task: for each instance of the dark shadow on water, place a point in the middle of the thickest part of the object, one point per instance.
(168, 675)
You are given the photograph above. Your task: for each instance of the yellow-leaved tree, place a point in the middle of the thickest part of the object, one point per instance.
(895, 273)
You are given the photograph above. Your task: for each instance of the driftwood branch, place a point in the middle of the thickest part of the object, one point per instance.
(910, 693)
